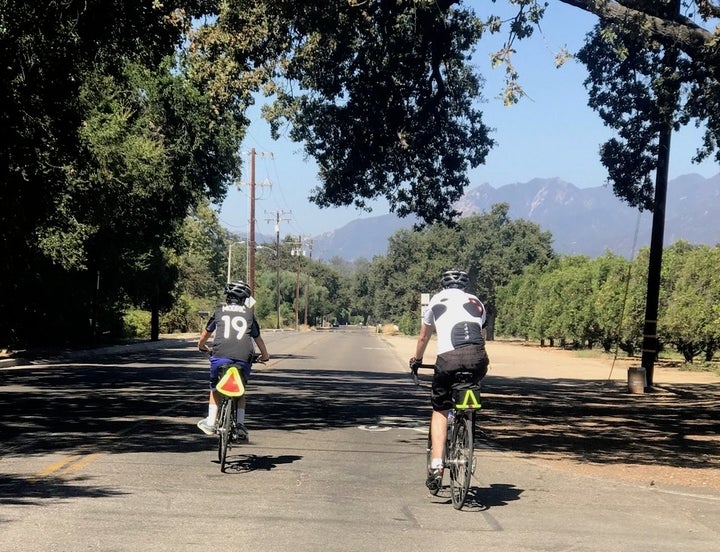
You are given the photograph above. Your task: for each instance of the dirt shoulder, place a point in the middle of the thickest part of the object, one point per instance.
(576, 413)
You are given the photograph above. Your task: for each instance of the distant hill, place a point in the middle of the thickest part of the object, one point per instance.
(585, 221)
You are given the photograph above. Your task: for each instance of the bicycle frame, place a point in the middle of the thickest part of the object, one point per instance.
(458, 456)
(231, 387)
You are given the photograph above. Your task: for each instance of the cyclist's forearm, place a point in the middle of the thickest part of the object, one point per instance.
(423, 340)
(264, 355)
(202, 342)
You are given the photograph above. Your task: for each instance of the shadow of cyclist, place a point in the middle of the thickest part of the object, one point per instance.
(497, 494)
(252, 462)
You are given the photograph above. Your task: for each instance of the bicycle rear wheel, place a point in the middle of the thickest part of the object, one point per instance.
(461, 459)
(223, 430)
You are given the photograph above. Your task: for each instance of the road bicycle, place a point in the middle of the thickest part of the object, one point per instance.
(231, 387)
(459, 453)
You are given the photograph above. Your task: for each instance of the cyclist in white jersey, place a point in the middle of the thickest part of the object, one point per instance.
(458, 318)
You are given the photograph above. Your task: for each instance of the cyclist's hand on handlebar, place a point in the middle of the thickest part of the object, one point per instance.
(258, 357)
(415, 364)
(205, 349)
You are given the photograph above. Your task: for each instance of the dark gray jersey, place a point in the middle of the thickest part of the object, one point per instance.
(235, 327)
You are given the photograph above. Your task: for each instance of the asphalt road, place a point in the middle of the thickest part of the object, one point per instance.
(102, 453)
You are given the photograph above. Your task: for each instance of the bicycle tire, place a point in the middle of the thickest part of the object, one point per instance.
(224, 428)
(461, 459)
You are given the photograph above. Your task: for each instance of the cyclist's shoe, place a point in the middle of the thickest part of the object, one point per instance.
(241, 433)
(206, 427)
(434, 479)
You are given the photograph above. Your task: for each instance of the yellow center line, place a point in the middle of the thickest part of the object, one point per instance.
(57, 465)
(82, 462)
(68, 465)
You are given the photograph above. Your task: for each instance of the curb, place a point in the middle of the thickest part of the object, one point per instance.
(83, 354)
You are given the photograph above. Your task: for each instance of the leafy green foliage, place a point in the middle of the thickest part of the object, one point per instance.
(109, 145)
(640, 81)
(491, 247)
(122, 118)
(691, 315)
(624, 91)
(380, 93)
(589, 301)
(136, 323)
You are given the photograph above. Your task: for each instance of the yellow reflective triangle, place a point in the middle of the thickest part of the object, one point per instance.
(469, 400)
(231, 383)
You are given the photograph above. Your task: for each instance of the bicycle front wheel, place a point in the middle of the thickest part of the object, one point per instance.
(223, 430)
(461, 459)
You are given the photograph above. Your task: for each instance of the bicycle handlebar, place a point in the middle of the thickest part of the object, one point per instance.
(256, 358)
(414, 369)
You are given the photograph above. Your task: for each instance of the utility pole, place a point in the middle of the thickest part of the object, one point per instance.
(251, 233)
(251, 222)
(307, 282)
(668, 100)
(278, 215)
(298, 252)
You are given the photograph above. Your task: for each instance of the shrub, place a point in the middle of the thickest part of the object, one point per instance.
(136, 323)
(409, 324)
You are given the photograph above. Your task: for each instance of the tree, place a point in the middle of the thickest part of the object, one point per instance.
(489, 246)
(494, 248)
(108, 146)
(381, 93)
(645, 87)
(122, 116)
(516, 301)
(690, 316)
(616, 312)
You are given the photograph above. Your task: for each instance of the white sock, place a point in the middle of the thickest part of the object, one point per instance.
(212, 413)
(241, 415)
(436, 463)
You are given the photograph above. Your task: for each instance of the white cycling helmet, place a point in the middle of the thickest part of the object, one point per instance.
(454, 278)
(236, 292)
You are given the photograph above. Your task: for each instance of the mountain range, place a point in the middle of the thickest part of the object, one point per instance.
(583, 221)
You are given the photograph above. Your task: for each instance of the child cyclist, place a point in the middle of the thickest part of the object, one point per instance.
(236, 334)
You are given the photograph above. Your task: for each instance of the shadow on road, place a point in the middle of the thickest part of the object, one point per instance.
(16, 490)
(480, 499)
(243, 463)
(148, 402)
(142, 403)
(600, 422)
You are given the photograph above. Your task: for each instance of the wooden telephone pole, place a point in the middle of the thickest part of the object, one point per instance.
(278, 215)
(307, 282)
(251, 223)
(668, 100)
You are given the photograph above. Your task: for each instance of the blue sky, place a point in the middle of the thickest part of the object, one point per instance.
(550, 133)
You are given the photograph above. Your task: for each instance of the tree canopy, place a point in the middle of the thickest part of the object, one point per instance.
(122, 117)
(583, 302)
(108, 144)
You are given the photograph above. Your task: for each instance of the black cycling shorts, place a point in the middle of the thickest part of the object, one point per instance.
(471, 358)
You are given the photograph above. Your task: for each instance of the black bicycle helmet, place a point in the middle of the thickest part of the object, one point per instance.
(236, 292)
(454, 278)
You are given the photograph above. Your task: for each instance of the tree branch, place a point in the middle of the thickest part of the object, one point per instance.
(679, 31)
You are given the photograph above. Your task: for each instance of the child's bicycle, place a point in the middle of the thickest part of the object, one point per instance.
(231, 387)
(458, 456)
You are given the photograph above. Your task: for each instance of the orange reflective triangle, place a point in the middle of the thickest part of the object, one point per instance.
(231, 383)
